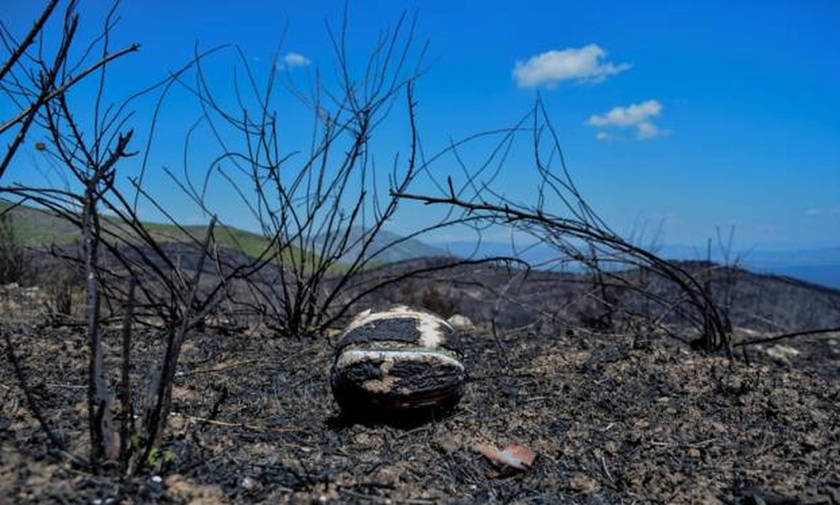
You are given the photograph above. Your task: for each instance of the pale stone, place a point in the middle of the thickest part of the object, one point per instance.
(460, 322)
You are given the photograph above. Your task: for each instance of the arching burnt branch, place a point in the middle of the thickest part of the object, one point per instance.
(563, 219)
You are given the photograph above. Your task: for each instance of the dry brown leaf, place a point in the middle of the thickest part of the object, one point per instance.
(514, 455)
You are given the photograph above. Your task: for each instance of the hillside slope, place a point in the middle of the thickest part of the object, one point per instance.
(38, 228)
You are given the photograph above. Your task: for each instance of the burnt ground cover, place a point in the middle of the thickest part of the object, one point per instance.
(613, 418)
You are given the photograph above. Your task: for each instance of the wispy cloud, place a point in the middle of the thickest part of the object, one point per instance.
(648, 130)
(296, 60)
(637, 116)
(823, 211)
(583, 64)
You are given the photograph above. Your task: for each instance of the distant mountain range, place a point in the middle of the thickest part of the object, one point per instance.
(405, 250)
(819, 265)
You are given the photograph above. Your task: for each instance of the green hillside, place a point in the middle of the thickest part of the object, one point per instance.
(40, 228)
(250, 243)
(35, 228)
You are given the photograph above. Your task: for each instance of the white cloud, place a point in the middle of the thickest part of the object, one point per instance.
(627, 116)
(648, 130)
(584, 64)
(637, 115)
(296, 60)
(606, 137)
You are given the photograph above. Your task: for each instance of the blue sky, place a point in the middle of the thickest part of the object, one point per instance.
(689, 114)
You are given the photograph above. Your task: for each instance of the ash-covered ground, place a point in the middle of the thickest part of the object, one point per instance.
(613, 418)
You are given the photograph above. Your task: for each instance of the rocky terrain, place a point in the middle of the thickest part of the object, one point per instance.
(613, 417)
